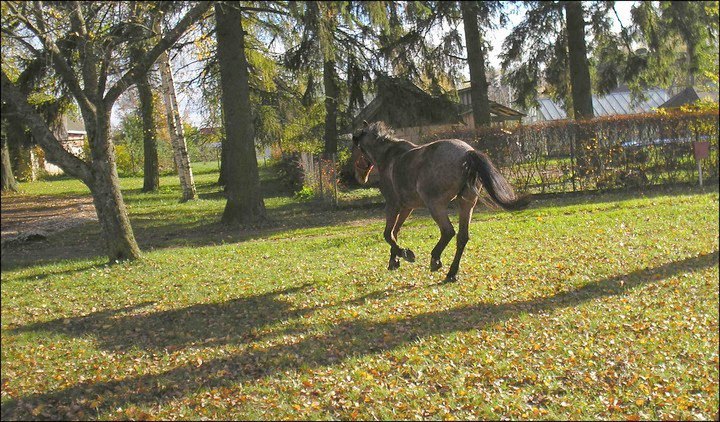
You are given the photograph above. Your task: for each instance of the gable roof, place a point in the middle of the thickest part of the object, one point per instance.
(503, 112)
(73, 125)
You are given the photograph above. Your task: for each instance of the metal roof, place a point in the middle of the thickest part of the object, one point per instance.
(614, 103)
(499, 110)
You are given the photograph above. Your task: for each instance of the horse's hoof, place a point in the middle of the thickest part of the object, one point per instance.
(394, 264)
(449, 279)
(435, 264)
(408, 255)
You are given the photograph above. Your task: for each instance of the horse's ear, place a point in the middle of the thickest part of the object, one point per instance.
(365, 124)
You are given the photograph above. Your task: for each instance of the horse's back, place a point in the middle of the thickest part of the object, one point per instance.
(431, 172)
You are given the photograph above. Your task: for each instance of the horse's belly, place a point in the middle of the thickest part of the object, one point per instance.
(411, 201)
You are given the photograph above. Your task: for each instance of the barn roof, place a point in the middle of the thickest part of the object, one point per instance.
(400, 103)
(497, 109)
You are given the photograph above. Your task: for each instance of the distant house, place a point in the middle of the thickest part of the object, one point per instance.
(616, 102)
(499, 113)
(414, 113)
(72, 135)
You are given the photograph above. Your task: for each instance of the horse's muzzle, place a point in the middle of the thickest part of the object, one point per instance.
(362, 169)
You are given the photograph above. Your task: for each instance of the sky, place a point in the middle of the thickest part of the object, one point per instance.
(189, 105)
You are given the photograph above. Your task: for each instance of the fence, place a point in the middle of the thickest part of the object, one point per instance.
(602, 153)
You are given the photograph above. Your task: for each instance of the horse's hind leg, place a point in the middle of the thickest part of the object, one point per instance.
(439, 214)
(466, 210)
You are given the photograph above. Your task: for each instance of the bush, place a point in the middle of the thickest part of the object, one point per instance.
(305, 193)
(291, 172)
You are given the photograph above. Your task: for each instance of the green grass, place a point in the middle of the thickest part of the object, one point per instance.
(584, 307)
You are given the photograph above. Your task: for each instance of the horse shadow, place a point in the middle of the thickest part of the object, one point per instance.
(350, 338)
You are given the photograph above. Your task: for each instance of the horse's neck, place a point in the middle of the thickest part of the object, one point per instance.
(391, 149)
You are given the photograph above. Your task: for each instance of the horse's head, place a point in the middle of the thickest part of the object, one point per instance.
(361, 165)
(364, 142)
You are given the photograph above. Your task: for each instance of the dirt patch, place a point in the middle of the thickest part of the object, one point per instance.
(28, 218)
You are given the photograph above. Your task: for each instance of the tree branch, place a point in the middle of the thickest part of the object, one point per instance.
(623, 31)
(147, 60)
(63, 68)
(12, 97)
(86, 50)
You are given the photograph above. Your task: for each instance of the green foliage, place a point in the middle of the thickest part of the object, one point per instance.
(681, 40)
(129, 146)
(530, 45)
(304, 194)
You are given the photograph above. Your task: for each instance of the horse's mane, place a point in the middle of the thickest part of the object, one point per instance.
(381, 131)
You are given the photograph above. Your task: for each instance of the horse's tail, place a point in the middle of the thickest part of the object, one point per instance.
(480, 167)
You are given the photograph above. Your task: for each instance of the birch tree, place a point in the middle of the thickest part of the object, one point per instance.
(177, 134)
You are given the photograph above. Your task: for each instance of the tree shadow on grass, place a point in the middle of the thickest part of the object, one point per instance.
(237, 321)
(53, 273)
(349, 338)
(167, 228)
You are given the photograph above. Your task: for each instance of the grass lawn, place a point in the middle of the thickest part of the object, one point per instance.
(584, 307)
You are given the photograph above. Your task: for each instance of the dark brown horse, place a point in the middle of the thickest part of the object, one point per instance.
(430, 175)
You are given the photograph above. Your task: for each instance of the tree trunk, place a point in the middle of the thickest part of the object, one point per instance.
(110, 208)
(331, 94)
(8, 179)
(223, 164)
(177, 135)
(692, 67)
(151, 178)
(579, 67)
(580, 85)
(105, 188)
(476, 61)
(21, 156)
(101, 176)
(242, 181)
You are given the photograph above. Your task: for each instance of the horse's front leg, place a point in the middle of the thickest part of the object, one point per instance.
(391, 217)
(406, 254)
(394, 218)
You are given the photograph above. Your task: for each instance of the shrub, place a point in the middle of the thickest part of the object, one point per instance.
(305, 193)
